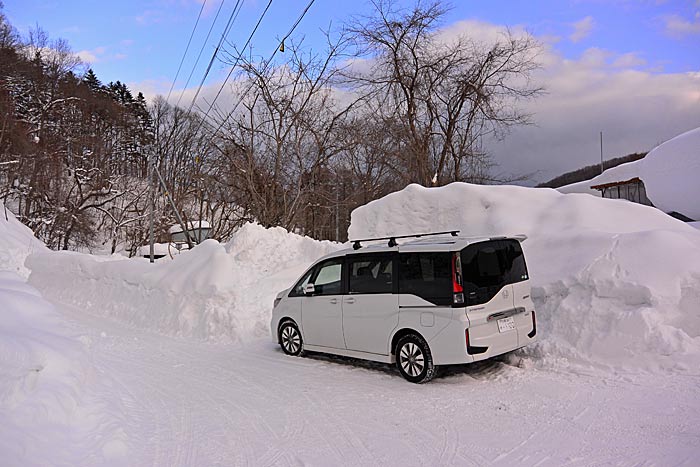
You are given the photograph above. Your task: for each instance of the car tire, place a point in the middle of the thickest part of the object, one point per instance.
(414, 360)
(290, 338)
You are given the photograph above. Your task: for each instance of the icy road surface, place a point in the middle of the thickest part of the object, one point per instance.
(186, 403)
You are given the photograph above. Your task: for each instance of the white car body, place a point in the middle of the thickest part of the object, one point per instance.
(360, 317)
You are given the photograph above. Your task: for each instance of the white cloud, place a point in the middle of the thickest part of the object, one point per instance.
(91, 56)
(87, 56)
(582, 29)
(677, 26)
(599, 91)
(629, 60)
(636, 110)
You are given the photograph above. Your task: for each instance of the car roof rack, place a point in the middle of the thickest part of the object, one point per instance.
(356, 244)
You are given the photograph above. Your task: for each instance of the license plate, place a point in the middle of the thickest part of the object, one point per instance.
(506, 324)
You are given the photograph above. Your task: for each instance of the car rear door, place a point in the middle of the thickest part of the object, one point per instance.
(520, 280)
(370, 308)
(489, 299)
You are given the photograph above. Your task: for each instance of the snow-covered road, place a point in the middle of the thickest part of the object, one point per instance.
(188, 403)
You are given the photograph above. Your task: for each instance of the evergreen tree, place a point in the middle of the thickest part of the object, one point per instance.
(90, 79)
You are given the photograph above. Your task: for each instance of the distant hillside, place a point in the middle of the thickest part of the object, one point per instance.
(590, 171)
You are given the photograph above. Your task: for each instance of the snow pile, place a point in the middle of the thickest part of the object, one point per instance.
(46, 418)
(46, 414)
(213, 292)
(614, 283)
(16, 242)
(670, 173)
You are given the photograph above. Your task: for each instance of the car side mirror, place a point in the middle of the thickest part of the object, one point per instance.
(309, 289)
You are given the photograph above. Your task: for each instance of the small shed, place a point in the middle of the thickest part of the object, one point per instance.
(197, 230)
(631, 190)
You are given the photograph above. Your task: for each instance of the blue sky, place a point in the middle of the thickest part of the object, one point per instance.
(135, 41)
(628, 68)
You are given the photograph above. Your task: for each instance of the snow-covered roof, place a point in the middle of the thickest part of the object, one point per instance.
(670, 172)
(159, 249)
(190, 226)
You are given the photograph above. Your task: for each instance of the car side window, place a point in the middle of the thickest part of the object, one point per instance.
(427, 275)
(371, 274)
(327, 280)
(298, 290)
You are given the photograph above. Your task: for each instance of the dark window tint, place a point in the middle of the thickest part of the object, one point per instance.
(370, 274)
(488, 266)
(427, 275)
(515, 261)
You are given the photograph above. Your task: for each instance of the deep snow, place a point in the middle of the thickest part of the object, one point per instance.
(50, 413)
(214, 292)
(170, 364)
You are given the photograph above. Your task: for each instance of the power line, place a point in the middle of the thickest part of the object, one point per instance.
(201, 50)
(186, 49)
(235, 63)
(231, 19)
(267, 63)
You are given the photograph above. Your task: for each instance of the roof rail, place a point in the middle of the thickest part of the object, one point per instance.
(392, 239)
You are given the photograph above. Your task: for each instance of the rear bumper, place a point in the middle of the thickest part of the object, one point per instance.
(449, 347)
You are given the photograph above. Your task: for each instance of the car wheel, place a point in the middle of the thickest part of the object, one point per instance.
(290, 338)
(414, 360)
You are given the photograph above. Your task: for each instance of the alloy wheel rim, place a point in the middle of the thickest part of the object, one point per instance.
(290, 339)
(412, 359)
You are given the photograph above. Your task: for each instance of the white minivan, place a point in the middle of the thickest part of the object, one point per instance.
(440, 299)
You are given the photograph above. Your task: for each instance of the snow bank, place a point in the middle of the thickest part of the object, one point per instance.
(670, 173)
(16, 242)
(213, 292)
(47, 414)
(615, 283)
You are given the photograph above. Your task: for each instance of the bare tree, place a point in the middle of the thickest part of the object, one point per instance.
(439, 97)
(278, 149)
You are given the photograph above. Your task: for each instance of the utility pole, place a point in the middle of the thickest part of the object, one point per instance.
(601, 152)
(337, 209)
(172, 204)
(152, 208)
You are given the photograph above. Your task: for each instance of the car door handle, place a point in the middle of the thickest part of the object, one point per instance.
(350, 300)
(334, 301)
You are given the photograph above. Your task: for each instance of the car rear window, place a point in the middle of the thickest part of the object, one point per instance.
(426, 275)
(488, 266)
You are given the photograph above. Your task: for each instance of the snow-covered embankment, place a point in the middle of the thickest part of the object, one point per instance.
(214, 292)
(47, 413)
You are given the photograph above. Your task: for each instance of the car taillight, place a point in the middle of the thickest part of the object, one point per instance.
(457, 288)
(466, 337)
